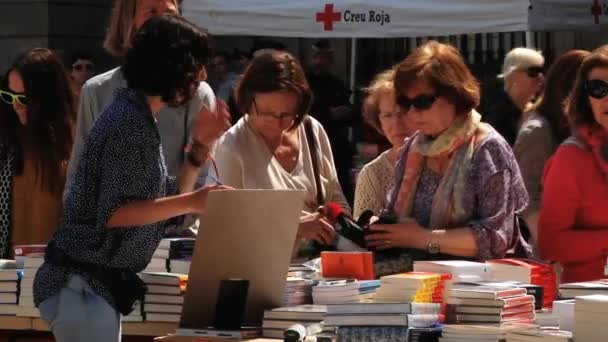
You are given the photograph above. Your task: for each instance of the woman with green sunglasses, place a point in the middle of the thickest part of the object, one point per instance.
(36, 120)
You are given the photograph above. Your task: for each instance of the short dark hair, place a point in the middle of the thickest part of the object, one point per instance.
(270, 72)
(79, 55)
(443, 67)
(167, 56)
(579, 108)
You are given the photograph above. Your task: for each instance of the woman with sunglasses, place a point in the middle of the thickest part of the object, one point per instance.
(573, 225)
(522, 73)
(36, 121)
(382, 113)
(457, 185)
(545, 127)
(276, 145)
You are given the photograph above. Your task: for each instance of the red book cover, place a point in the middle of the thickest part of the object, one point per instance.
(23, 250)
(354, 265)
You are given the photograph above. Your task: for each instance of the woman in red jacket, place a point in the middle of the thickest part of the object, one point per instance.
(573, 223)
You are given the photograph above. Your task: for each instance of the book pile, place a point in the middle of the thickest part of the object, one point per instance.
(564, 310)
(528, 272)
(571, 290)
(538, 334)
(9, 285)
(137, 315)
(339, 291)
(478, 304)
(591, 318)
(299, 271)
(298, 291)
(368, 289)
(276, 321)
(172, 255)
(32, 257)
(380, 321)
(430, 334)
(417, 287)
(164, 299)
(476, 333)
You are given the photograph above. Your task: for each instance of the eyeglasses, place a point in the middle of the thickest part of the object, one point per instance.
(83, 66)
(598, 89)
(393, 116)
(283, 117)
(534, 71)
(11, 98)
(420, 102)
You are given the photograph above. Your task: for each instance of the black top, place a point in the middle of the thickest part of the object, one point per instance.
(505, 117)
(122, 162)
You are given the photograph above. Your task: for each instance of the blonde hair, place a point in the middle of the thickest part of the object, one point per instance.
(122, 27)
(382, 85)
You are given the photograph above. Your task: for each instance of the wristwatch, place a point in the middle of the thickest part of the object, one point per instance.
(433, 245)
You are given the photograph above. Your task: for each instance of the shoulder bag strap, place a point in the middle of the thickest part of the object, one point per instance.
(312, 147)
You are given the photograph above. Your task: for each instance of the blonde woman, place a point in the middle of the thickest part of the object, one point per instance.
(382, 113)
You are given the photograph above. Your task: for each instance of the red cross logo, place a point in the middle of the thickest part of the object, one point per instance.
(596, 11)
(328, 17)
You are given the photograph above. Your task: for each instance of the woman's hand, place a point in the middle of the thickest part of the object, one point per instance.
(199, 197)
(210, 125)
(403, 235)
(315, 227)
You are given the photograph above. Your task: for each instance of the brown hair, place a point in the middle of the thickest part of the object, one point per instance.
(122, 27)
(579, 108)
(381, 86)
(443, 67)
(558, 85)
(270, 72)
(47, 136)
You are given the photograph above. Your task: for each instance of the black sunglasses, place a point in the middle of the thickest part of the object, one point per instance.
(598, 89)
(81, 67)
(420, 102)
(534, 71)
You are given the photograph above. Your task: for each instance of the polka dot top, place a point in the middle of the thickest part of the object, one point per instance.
(122, 162)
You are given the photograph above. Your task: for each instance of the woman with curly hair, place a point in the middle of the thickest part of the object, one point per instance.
(36, 119)
(115, 212)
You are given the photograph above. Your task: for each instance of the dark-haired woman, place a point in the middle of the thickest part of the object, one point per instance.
(546, 126)
(269, 148)
(573, 225)
(122, 196)
(35, 142)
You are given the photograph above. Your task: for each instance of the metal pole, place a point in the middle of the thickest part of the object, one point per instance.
(353, 68)
(530, 41)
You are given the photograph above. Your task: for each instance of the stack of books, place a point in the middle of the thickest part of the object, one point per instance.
(298, 291)
(476, 333)
(528, 272)
(538, 334)
(430, 334)
(165, 296)
(591, 318)
(340, 291)
(368, 289)
(299, 271)
(136, 316)
(32, 257)
(276, 321)
(411, 287)
(172, 255)
(571, 290)
(9, 286)
(356, 316)
(477, 304)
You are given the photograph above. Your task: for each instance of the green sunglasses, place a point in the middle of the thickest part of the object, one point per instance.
(11, 98)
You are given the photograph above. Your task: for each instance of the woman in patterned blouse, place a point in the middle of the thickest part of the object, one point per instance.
(457, 186)
(382, 113)
(116, 210)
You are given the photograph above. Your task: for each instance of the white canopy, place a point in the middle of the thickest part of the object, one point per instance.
(546, 15)
(357, 18)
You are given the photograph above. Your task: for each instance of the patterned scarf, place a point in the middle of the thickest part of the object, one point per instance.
(452, 151)
(6, 192)
(597, 139)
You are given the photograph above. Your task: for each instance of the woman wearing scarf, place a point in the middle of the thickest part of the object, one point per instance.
(573, 225)
(457, 186)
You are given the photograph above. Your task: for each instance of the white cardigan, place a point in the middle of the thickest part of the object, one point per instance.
(245, 162)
